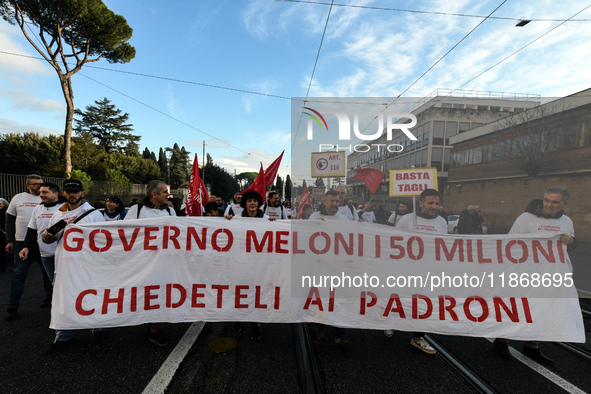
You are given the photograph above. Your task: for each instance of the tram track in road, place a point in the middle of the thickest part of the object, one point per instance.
(476, 382)
(309, 373)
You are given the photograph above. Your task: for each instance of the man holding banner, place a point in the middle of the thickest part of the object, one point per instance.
(542, 216)
(428, 220)
(75, 210)
(154, 204)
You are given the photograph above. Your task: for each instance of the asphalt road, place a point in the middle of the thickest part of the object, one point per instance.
(126, 362)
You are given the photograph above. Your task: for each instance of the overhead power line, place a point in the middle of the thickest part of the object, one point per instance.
(430, 12)
(169, 116)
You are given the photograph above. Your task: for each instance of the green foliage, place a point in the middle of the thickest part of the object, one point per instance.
(288, 187)
(279, 187)
(87, 25)
(135, 168)
(180, 167)
(89, 157)
(222, 182)
(116, 176)
(80, 175)
(71, 33)
(105, 123)
(249, 176)
(31, 153)
(163, 163)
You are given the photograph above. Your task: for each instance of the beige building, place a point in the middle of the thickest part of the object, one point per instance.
(503, 165)
(440, 116)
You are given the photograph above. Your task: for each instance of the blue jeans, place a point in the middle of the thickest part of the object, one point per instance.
(49, 264)
(66, 335)
(19, 276)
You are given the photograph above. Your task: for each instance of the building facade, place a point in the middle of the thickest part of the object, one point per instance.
(503, 165)
(440, 116)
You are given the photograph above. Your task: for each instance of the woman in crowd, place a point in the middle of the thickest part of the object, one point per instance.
(114, 210)
(400, 211)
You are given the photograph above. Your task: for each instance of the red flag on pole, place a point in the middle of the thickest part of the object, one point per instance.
(371, 177)
(259, 184)
(304, 199)
(270, 174)
(197, 196)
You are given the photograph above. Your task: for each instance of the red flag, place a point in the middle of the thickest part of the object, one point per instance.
(270, 174)
(259, 184)
(371, 177)
(304, 199)
(197, 196)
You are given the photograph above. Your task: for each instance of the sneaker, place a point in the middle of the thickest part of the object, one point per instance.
(99, 336)
(536, 354)
(58, 346)
(389, 333)
(46, 302)
(11, 314)
(158, 338)
(342, 342)
(422, 344)
(502, 349)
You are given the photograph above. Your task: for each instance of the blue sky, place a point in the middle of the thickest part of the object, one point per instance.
(270, 47)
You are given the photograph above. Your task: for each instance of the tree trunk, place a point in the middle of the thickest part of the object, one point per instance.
(66, 84)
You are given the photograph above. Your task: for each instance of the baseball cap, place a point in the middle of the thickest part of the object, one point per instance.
(73, 185)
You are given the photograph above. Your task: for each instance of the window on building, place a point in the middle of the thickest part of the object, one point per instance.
(438, 132)
(446, 105)
(572, 135)
(483, 108)
(424, 157)
(495, 108)
(477, 158)
(464, 126)
(583, 134)
(459, 159)
(451, 129)
(459, 106)
(436, 157)
(475, 125)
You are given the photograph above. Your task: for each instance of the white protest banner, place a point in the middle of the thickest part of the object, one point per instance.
(184, 269)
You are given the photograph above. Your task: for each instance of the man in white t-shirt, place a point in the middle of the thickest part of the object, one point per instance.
(75, 210)
(18, 215)
(273, 207)
(540, 216)
(234, 209)
(429, 221)
(346, 209)
(40, 219)
(329, 210)
(154, 204)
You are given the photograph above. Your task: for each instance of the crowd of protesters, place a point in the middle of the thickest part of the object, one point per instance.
(33, 223)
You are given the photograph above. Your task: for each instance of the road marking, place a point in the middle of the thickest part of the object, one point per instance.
(551, 376)
(163, 377)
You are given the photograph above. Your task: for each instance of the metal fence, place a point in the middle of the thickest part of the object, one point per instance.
(11, 185)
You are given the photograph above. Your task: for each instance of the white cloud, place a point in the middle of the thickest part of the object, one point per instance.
(25, 100)
(10, 126)
(17, 58)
